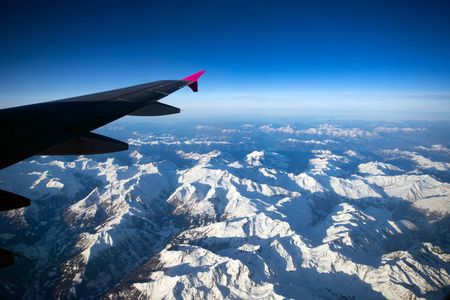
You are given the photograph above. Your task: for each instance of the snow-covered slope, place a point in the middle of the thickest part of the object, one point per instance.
(264, 245)
(219, 214)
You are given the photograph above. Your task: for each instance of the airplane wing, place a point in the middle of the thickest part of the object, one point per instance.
(64, 127)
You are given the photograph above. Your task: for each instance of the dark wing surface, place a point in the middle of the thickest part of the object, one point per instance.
(63, 127)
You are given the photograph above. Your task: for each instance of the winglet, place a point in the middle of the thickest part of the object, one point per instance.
(194, 78)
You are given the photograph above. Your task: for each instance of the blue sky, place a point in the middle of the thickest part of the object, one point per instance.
(341, 59)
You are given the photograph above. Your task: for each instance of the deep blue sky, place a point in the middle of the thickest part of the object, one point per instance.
(357, 59)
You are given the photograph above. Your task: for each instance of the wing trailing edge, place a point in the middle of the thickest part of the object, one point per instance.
(6, 258)
(12, 201)
(89, 143)
(155, 109)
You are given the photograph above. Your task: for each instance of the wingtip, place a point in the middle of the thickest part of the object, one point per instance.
(194, 78)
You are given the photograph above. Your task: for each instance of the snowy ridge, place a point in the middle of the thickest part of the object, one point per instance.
(236, 215)
(326, 162)
(421, 161)
(377, 168)
(269, 255)
(434, 148)
(322, 130)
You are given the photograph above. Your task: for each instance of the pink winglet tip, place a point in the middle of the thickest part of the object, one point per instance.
(194, 77)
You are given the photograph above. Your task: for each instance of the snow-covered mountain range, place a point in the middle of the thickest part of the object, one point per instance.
(253, 211)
